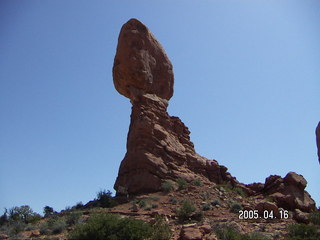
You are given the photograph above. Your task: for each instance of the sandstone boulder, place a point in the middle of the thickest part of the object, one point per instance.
(190, 233)
(141, 64)
(288, 192)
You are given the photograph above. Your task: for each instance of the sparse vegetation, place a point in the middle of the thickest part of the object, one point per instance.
(197, 182)
(167, 186)
(105, 199)
(235, 207)
(315, 217)
(302, 232)
(47, 211)
(111, 227)
(24, 214)
(161, 230)
(226, 232)
(182, 183)
(186, 210)
(206, 206)
(73, 218)
(215, 203)
(228, 187)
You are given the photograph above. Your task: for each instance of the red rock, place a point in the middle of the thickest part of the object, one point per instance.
(267, 206)
(158, 145)
(190, 233)
(301, 217)
(4, 236)
(35, 233)
(289, 193)
(141, 65)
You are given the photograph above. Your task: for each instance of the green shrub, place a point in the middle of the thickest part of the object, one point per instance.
(215, 202)
(302, 232)
(24, 214)
(185, 212)
(161, 230)
(235, 207)
(111, 227)
(197, 182)
(44, 228)
(254, 236)
(227, 233)
(58, 226)
(315, 217)
(4, 218)
(73, 218)
(182, 183)
(239, 191)
(167, 186)
(16, 227)
(105, 199)
(206, 206)
(47, 211)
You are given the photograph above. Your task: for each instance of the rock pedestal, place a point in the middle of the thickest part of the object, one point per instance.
(158, 145)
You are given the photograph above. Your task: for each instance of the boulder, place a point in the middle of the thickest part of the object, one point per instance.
(267, 206)
(190, 233)
(141, 65)
(288, 192)
(301, 217)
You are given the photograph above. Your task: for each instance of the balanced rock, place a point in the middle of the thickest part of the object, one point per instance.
(158, 145)
(141, 65)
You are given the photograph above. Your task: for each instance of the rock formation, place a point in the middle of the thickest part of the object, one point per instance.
(318, 140)
(158, 145)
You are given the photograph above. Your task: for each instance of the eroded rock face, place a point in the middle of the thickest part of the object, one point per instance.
(158, 145)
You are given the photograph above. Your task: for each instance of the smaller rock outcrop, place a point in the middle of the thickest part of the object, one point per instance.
(288, 192)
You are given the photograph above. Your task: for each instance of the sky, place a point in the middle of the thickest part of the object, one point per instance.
(246, 85)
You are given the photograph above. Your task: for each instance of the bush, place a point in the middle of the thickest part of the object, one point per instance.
(301, 232)
(315, 217)
(105, 199)
(215, 202)
(185, 212)
(161, 230)
(182, 183)
(4, 218)
(24, 214)
(197, 182)
(47, 211)
(16, 227)
(206, 206)
(111, 227)
(73, 218)
(235, 207)
(227, 233)
(44, 228)
(167, 186)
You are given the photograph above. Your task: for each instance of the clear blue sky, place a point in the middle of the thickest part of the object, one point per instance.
(246, 84)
